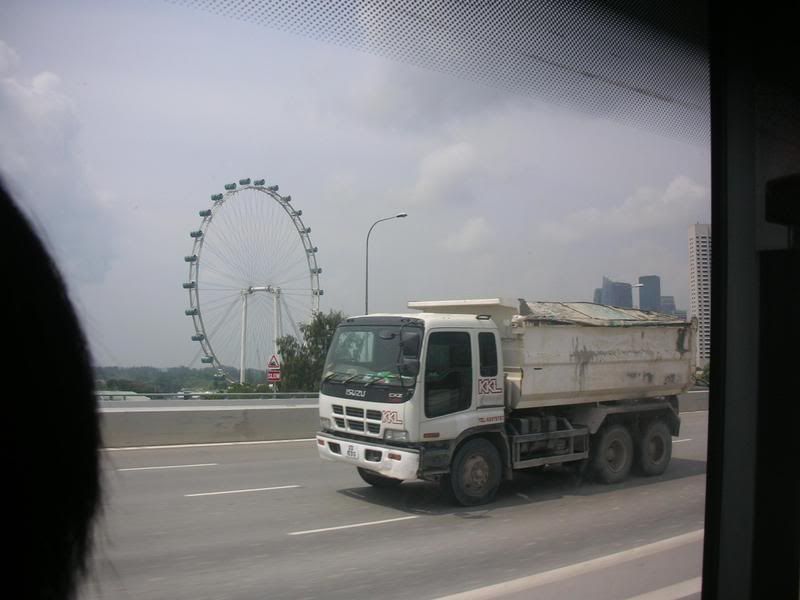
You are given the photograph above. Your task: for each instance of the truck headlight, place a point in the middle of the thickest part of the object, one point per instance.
(324, 423)
(396, 435)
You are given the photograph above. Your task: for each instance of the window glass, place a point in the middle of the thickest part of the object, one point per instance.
(448, 373)
(488, 354)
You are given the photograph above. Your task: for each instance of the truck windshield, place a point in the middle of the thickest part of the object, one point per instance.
(368, 355)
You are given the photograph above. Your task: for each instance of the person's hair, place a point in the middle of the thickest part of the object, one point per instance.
(51, 436)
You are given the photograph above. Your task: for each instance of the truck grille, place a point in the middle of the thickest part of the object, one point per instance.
(358, 419)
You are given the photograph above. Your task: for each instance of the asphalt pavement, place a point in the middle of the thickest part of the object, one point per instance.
(271, 520)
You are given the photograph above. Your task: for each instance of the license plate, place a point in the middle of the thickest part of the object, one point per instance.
(352, 452)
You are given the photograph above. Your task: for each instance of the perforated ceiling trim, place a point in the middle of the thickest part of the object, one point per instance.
(577, 54)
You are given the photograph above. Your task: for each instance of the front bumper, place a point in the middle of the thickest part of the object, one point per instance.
(390, 461)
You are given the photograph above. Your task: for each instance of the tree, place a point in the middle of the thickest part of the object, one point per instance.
(705, 376)
(302, 361)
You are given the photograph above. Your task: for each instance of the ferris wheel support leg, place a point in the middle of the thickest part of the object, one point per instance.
(244, 334)
(276, 317)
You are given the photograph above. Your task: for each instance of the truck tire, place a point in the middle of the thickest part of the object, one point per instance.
(475, 473)
(612, 453)
(377, 480)
(655, 448)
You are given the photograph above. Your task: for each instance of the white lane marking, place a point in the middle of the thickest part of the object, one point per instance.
(207, 445)
(683, 440)
(523, 584)
(693, 412)
(266, 489)
(353, 525)
(673, 592)
(697, 392)
(168, 467)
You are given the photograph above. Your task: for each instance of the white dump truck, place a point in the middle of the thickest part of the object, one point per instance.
(467, 392)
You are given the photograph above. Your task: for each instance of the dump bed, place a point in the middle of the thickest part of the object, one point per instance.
(561, 353)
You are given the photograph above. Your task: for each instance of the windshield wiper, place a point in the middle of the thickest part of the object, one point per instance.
(330, 376)
(376, 378)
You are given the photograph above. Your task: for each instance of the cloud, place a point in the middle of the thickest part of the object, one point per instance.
(40, 159)
(682, 202)
(444, 174)
(472, 236)
(9, 59)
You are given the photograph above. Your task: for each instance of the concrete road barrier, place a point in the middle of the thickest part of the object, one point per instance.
(694, 400)
(140, 426)
(163, 427)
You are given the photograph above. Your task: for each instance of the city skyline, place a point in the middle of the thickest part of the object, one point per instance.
(620, 294)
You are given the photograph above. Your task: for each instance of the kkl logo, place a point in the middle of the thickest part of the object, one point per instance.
(488, 385)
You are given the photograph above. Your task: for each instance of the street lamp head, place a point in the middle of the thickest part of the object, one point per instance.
(400, 215)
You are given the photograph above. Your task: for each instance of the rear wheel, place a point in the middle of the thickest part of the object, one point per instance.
(475, 473)
(612, 453)
(655, 448)
(376, 480)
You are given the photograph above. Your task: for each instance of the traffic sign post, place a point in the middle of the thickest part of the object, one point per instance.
(274, 369)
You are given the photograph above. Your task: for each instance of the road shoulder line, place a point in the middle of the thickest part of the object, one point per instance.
(524, 584)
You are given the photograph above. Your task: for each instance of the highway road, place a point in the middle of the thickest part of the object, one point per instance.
(270, 520)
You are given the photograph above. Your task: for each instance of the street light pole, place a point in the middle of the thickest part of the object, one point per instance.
(366, 262)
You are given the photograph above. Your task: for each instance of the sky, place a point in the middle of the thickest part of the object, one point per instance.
(119, 119)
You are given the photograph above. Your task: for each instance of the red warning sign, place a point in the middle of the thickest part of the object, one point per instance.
(274, 363)
(274, 376)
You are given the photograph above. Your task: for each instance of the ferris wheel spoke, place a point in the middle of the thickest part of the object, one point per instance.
(291, 320)
(226, 258)
(289, 270)
(282, 283)
(217, 275)
(220, 321)
(214, 296)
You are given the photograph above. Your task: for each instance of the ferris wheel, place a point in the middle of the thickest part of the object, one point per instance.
(253, 276)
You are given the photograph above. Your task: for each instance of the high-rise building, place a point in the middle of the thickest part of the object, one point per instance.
(700, 287)
(598, 296)
(667, 305)
(650, 292)
(616, 293)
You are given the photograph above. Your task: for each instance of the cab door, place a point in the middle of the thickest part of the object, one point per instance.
(449, 382)
(490, 375)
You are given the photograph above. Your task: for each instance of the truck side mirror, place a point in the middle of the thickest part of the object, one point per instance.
(409, 343)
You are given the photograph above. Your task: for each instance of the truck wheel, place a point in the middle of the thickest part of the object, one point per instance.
(655, 448)
(612, 452)
(475, 473)
(376, 480)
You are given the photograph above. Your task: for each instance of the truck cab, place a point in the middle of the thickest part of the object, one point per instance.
(399, 390)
